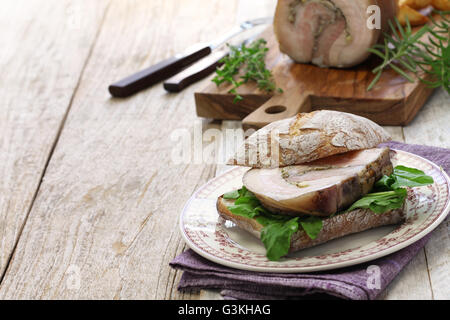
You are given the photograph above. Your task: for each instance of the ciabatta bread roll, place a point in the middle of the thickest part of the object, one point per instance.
(307, 137)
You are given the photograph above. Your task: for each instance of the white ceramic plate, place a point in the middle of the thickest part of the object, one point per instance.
(224, 243)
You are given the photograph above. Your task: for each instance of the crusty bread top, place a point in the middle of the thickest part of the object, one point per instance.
(307, 137)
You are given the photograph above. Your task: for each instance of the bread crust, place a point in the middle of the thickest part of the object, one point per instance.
(335, 227)
(307, 137)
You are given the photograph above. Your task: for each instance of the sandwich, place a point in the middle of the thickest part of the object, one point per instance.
(316, 177)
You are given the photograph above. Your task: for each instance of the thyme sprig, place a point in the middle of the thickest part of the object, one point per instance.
(249, 61)
(406, 53)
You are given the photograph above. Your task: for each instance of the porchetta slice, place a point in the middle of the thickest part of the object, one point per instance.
(329, 33)
(322, 187)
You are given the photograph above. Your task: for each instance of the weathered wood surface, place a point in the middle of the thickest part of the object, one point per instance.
(103, 222)
(431, 127)
(45, 46)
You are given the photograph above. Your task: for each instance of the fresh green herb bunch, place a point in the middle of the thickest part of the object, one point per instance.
(405, 52)
(251, 61)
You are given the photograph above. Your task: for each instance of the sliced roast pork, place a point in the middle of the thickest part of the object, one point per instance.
(322, 187)
(329, 33)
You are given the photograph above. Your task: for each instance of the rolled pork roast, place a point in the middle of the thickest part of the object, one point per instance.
(329, 33)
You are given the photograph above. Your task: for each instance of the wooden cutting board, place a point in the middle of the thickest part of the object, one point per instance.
(393, 101)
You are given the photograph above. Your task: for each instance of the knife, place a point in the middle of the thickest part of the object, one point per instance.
(201, 69)
(195, 72)
(171, 66)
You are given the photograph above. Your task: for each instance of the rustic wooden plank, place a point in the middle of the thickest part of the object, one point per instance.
(437, 253)
(246, 10)
(412, 283)
(431, 127)
(105, 221)
(39, 73)
(395, 132)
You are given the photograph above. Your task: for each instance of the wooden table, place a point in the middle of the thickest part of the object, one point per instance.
(89, 199)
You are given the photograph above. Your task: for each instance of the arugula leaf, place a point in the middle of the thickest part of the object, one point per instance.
(235, 194)
(264, 213)
(244, 192)
(231, 195)
(380, 202)
(410, 177)
(385, 183)
(393, 194)
(277, 229)
(277, 238)
(244, 209)
(403, 177)
(248, 200)
(312, 226)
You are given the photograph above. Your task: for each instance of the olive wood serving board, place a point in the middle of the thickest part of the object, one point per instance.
(393, 101)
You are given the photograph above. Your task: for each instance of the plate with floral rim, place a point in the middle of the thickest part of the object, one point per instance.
(224, 243)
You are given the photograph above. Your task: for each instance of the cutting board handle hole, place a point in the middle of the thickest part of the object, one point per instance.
(275, 109)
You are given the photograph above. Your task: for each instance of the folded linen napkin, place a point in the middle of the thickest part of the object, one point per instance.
(348, 283)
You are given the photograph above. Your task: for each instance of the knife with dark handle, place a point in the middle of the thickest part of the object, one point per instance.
(158, 72)
(172, 66)
(200, 69)
(196, 72)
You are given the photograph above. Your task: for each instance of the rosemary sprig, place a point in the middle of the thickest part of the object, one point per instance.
(249, 61)
(404, 52)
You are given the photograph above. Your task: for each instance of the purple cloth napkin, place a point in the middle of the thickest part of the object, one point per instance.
(348, 283)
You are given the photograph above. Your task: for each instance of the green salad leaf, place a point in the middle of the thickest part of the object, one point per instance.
(389, 193)
(277, 229)
(245, 204)
(312, 226)
(380, 202)
(405, 177)
(244, 209)
(276, 237)
(231, 195)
